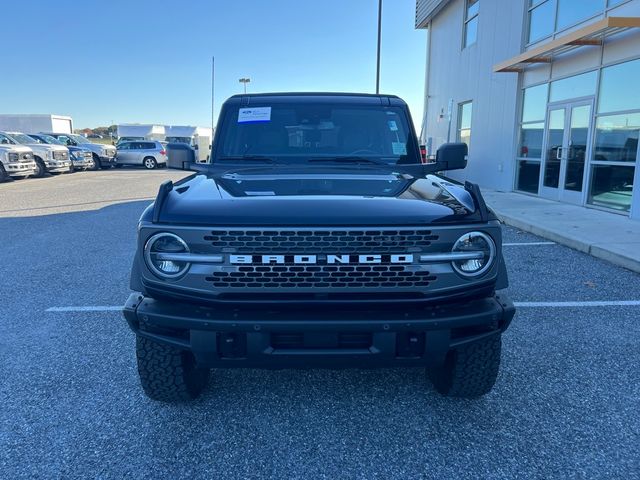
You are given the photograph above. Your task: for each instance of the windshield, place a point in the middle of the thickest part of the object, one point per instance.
(22, 138)
(78, 138)
(317, 132)
(7, 140)
(46, 139)
(186, 140)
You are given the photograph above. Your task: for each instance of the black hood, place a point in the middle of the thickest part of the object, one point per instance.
(363, 197)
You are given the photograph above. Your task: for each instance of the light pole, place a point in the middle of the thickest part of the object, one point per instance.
(213, 76)
(379, 41)
(244, 81)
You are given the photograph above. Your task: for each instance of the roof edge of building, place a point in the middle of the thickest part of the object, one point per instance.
(426, 10)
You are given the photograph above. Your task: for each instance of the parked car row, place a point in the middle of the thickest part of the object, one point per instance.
(38, 154)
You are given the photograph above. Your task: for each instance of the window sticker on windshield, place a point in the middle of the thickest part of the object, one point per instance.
(393, 126)
(399, 148)
(256, 114)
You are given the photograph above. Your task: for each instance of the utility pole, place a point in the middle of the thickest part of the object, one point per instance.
(213, 76)
(244, 81)
(379, 41)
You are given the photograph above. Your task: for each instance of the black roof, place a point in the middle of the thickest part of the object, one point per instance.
(316, 97)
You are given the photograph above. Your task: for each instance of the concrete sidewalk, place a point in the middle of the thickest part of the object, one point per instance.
(612, 237)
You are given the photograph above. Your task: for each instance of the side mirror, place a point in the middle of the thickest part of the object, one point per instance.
(452, 156)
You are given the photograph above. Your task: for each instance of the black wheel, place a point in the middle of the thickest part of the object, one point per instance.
(41, 169)
(149, 163)
(97, 165)
(168, 374)
(469, 371)
(4, 176)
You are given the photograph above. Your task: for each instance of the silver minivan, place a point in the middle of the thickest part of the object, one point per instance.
(148, 153)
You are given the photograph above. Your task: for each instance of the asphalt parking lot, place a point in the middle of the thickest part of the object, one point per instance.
(566, 405)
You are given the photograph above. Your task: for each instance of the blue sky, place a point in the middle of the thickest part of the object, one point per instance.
(150, 61)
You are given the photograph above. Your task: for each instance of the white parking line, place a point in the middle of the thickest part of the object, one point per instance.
(87, 308)
(586, 304)
(612, 303)
(527, 244)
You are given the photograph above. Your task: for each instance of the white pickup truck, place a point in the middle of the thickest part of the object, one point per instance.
(15, 161)
(104, 156)
(48, 158)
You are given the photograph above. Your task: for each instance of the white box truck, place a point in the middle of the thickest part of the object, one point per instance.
(138, 131)
(35, 123)
(198, 137)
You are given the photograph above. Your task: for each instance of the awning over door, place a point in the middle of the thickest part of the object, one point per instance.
(592, 34)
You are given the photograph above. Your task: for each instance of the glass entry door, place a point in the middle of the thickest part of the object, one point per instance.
(567, 147)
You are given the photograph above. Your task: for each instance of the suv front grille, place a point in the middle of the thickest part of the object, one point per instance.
(323, 276)
(332, 241)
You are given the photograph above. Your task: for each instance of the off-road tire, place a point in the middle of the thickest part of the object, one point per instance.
(168, 374)
(97, 165)
(469, 371)
(41, 168)
(4, 176)
(150, 163)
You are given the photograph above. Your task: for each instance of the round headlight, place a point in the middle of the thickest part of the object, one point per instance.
(480, 252)
(162, 253)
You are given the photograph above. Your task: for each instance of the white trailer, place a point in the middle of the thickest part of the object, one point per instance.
(199, 138)
(138, 131)
(35, 123)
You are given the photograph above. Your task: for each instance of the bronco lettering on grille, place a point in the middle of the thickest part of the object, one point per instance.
(318, 259)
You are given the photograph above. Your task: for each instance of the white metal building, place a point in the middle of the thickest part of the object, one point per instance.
(545, 92)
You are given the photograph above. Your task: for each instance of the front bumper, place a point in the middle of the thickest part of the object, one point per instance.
(104, 160)
(298, 338)
(20, 169)
(57, 166)
(82, 163)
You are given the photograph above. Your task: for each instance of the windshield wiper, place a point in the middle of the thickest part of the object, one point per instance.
(356, 160)
(253, 158)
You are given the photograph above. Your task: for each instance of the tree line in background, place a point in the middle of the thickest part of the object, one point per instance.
(104, 131)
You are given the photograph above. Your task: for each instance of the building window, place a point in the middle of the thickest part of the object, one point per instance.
(571, 12)
(577, 86)
(547, 17)
(541, 19)
(615, 151)
(471, 22)
(534, 108)
(618, 88)
(465, 111)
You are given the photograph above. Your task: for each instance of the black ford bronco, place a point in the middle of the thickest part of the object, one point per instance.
(318, 236)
